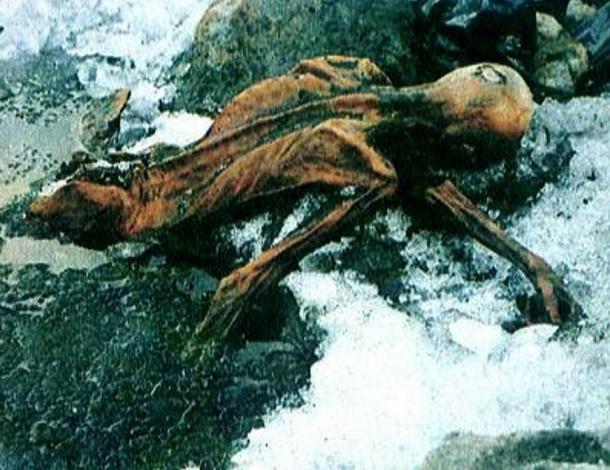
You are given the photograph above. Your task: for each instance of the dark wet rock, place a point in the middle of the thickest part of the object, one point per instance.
(376, 258)
(539, 450)
(560, 60)
(198, 284)
(594, 33)
(241, 41)
(525, 34)
(100, 125)
(469, 17)
(269, 367)
(458, 32)
(249, 377)
(93, 374)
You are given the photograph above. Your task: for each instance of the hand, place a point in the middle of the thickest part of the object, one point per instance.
(228, 304)
(551, 303)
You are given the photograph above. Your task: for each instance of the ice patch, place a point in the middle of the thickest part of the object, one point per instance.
(476, 336)
(178, 129)
(123, 44)
(388, 388)
(247, 236)
(308, 204)
(21, 251)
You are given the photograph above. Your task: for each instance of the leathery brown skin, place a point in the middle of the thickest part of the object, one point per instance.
(314, 126)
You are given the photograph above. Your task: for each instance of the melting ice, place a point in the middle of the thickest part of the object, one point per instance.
(179, 129)
(122, 43)
(389, 387)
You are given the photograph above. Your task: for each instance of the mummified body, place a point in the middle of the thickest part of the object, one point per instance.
(334, 122)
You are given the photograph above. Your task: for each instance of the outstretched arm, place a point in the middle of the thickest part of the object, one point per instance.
(458, 209)
(238, 289)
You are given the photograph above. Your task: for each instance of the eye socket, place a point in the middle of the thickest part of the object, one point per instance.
(491, 74)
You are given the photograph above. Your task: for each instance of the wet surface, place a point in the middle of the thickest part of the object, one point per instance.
(414, 349)
(93, 369)
(368, 356)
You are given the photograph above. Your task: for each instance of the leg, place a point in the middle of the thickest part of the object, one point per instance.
(334, 154)
(556, 300)
(237, 290)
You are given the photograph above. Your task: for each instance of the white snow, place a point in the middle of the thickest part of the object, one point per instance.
(388, 387)
(122, 43)
(476, 336)
(384, 395)
(178, 129)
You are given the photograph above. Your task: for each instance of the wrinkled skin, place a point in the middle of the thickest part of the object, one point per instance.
(334, 122)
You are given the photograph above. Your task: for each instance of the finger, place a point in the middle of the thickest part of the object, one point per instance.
(551, 303)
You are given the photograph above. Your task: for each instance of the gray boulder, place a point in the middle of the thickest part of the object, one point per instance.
(239, 42)
(102, 122)
(560, 60)
(560, 449)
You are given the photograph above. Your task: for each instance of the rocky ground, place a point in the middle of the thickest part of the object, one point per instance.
(92, 368)
(384, 350)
